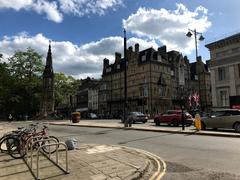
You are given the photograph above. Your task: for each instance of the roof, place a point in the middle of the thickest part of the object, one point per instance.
(229, 39)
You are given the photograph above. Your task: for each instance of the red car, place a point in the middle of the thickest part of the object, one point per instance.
(173, 117)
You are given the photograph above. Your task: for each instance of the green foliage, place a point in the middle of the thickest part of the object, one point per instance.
(21, 83)
(64, 87)
(25, 65)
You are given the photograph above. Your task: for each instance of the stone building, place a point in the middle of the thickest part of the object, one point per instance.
(200, 82)
(149, 87)
(47, 101)
(225, 69)
(156, 81)
(87, 96)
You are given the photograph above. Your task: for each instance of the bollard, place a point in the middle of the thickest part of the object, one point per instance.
(197, 122)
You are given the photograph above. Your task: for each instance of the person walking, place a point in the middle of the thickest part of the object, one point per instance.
(10, 118)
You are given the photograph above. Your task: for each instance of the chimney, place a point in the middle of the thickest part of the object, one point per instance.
(117, 57)
(162, 50)
(136, 47)
(199, 59)
(105, 63)
(130, 48)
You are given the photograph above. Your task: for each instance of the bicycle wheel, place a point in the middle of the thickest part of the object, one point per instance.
(4, 143)
(50, 149)
(15, 150)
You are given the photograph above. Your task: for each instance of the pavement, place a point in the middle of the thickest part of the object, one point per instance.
(147, 127)
(87, 162)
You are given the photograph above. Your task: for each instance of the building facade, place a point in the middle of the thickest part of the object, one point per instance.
(225, 69)
(200, 82)
(156, 81)
(47, 101)
(87, 96)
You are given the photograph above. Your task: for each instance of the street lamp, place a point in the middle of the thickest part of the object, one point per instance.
(195, 33)
(201, 38)
(125, 81)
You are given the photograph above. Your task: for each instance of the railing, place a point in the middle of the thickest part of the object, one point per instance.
(45, 143)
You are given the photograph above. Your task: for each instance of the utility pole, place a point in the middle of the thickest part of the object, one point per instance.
(125, 81)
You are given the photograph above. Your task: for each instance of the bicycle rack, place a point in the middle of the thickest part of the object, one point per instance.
(57, 144)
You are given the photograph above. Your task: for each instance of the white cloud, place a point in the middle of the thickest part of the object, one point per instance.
(54, 10)
(51, 10)
(167, 26)
(15, 4)
(40, 6)
(85, 7)
(72, 59)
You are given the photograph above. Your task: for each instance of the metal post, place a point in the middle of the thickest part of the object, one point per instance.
(195, 36)
(125, 80)
(182, 108)
(183, 121)
(57, 154)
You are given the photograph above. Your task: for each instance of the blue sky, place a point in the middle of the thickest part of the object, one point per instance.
(83, 32)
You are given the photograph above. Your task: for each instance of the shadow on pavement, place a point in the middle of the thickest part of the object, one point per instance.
(139, 139)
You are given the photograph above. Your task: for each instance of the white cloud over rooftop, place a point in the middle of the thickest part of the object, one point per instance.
(76, 60)
(168, 26)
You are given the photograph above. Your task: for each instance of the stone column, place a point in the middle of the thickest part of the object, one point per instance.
(213, 86)
(232, 81)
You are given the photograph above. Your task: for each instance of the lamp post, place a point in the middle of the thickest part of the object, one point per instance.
(125, 81)
(201, 38)
(182, 102)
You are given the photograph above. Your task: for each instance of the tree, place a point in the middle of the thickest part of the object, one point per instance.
(22, 83)
(64, 87)
(26, 65)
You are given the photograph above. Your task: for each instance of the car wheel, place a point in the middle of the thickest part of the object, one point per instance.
(237, 127)
(203, 126)
(157, 123)
(175, 122)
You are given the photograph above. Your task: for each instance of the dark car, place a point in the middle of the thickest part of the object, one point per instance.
(173, 117)
(228, 118)
(134, 117)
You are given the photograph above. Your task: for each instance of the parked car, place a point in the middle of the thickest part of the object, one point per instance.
(134, 117)
(228, 118)
(173, 117)
(92, 116)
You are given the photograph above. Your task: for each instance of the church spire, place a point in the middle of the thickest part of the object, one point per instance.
(49, 56)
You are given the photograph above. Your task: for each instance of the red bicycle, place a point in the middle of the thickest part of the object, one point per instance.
(19, 146)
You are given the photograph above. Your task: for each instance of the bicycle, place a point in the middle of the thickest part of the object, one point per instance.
(18, 143)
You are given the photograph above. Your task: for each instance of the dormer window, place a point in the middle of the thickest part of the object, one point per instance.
(144, 58)
(108, 69)
(159, 58)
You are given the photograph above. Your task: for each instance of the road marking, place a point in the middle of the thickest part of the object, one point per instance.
(158, 174)
(101, 149)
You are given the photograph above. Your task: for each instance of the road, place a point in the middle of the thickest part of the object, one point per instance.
(186, 156)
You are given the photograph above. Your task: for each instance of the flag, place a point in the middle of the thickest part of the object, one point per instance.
(196, 98)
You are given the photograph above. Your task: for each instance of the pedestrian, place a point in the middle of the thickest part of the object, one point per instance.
(10, 118)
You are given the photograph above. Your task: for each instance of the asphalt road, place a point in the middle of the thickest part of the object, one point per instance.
(186, 156)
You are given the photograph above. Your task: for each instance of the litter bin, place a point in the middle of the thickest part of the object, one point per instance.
(75, 117)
